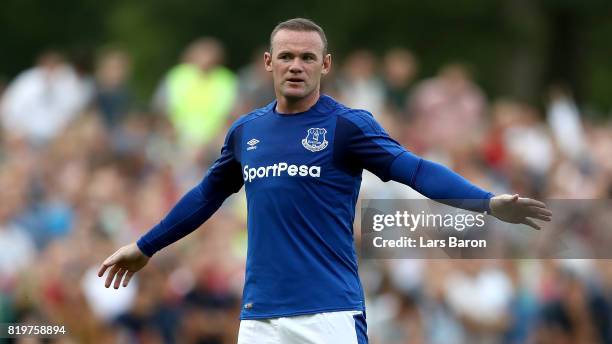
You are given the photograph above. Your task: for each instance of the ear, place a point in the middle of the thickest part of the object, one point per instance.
(268, 61)
(327, 62)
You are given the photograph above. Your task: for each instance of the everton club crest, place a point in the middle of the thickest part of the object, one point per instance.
(315, 139)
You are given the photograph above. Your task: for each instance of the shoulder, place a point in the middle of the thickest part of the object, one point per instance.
(359, 117)
(182, 70)
(223, 74)
(362, 119)
(253, 115)
(29, 76)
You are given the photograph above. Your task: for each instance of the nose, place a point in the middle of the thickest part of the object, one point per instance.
(296, 66)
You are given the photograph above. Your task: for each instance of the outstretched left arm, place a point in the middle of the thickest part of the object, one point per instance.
(440, 183)
(363, 143)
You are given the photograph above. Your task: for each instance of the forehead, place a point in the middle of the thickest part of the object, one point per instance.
(297, 41)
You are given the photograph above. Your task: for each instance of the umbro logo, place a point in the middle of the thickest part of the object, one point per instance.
(252, 144)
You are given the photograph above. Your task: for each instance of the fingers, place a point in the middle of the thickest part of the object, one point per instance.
(532, 202)
(111, 274)
(120, 275)
(535, 212)
(128, 277)
(529, 222)
(542, 217)
(103, 268)
(111, 260)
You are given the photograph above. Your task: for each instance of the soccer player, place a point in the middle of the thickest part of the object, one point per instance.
(300, 159)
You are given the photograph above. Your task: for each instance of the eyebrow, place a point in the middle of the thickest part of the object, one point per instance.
(306, 53)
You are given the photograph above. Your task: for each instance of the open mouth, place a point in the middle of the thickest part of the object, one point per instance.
(295, 80)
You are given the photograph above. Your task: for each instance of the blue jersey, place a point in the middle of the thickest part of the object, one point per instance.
(302, 174)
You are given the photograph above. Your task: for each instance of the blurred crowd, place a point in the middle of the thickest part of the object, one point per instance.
(85, 168)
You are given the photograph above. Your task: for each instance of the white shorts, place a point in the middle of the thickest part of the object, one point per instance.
(344, 327)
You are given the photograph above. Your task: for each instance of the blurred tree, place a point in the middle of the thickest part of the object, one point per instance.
(515, 46)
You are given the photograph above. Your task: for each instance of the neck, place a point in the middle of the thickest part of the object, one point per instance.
(288, 106)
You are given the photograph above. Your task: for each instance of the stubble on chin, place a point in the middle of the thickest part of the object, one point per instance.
(293, 95)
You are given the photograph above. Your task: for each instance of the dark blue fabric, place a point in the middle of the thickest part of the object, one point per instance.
(439, 183)
(361, 328)
(361, 143)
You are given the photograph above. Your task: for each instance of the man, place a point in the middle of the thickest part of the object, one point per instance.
(43, 100)
(198, 93)
(300, 159)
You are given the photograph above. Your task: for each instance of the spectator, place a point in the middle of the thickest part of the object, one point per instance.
(198, 94)
(359, 84)
(399, 71)
(564, 119)
(113, 96)
(42, 100)
(17, 248)
(447, 109)
(254, 82)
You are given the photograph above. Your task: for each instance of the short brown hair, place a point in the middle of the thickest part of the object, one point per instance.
(300, 24)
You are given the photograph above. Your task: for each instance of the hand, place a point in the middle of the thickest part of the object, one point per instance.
(515, 209)
(124, 262)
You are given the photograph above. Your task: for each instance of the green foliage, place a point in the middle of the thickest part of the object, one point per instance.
(489, 35)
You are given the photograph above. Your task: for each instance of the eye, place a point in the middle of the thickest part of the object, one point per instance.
(284, 57)
(309, 58)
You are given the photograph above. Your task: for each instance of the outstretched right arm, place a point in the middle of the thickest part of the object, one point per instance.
(193, 209)
(223, 178)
